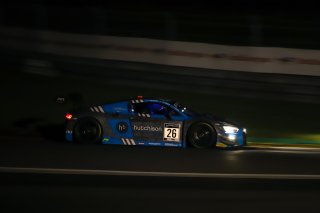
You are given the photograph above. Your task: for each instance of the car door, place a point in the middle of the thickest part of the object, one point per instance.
(156, 124)
(121, 130)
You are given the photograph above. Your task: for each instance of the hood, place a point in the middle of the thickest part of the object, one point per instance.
(221, 119)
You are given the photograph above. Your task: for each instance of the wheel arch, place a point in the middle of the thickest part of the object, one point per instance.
(188, 125)
(101, 118)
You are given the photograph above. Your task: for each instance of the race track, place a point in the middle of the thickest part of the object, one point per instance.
(55, 176)
(51, 154)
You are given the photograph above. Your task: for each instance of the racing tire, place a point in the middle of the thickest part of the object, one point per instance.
(202, 135)
(88, 131)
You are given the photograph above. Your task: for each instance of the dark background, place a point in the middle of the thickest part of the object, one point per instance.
(277, 109)
(269, 105)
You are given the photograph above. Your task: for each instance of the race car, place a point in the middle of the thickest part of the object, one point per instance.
(152, 122)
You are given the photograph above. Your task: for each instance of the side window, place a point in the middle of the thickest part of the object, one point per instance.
(153, 108)
(141, 108)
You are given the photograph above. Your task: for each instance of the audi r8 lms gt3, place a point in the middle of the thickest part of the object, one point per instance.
(152, 122)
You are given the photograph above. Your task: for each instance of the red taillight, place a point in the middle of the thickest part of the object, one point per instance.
(68, 116)
(139, 97)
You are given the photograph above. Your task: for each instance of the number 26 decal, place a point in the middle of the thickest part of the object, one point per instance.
(171, 132)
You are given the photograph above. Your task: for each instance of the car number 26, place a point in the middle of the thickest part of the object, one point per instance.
(171, 132)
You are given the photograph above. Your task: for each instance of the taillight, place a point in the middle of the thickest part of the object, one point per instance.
(68, 116)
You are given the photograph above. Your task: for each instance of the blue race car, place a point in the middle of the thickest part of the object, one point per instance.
(152, 122)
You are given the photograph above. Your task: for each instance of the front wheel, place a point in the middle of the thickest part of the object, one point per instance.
(202, 135)
(88, 131)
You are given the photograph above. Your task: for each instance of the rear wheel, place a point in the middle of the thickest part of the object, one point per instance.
(88, 131)
(202, 135)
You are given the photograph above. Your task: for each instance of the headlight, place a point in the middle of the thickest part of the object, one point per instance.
(230, 129)
(232, 137)
(245, 130)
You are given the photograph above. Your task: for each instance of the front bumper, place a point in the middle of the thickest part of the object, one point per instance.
(231, 139)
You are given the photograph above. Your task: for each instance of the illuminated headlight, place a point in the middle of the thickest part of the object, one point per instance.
(232, 137)
(245, 130)
(230, 129)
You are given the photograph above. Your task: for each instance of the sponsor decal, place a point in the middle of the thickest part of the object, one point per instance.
(97, 109)
(172, 144)
(128, 141)
(122, 127)
(147, 128)
(154, 144)
(171, 132)
(119, 109)
(105, 140)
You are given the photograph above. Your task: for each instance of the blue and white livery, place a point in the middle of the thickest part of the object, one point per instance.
(152, 122)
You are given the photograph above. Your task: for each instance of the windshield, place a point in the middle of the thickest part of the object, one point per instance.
(184, 109)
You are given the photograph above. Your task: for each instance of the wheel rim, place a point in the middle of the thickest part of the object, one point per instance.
(202, 136)
(88, 132)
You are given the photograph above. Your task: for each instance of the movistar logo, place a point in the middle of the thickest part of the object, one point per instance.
(147, 128)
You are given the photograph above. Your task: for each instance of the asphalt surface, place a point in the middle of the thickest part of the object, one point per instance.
(41, 153)
(50, 192)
